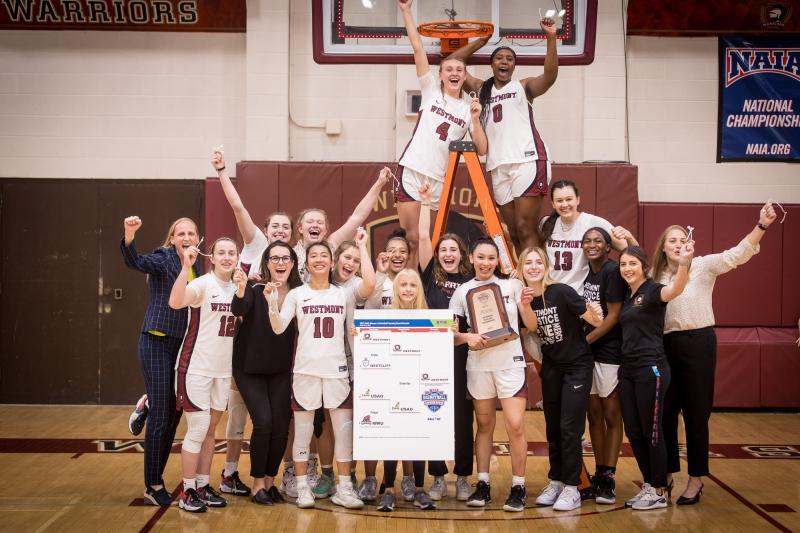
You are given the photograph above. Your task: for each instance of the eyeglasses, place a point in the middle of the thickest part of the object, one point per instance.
(275, 259)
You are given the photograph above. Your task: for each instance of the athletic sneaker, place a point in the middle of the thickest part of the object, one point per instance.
(138, 416)
(407, 488)
(325, 487)
(438, 488)
(157, 497)
(463, 488)
(367, 491)
(233, 485)
(386, 504)
(289, 482)
(191, 502)
(481, 496)
(305, 498)
(644, 489)
(650, 500)
(211, 497)
(275, 495)
(606, 491)
(516, 499)
(589, 493)
(313, 475)
(568, 500)
(347, 497)
(550, 494)
(423, 500)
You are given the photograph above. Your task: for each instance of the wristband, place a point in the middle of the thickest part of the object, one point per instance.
(761, 226)
(220, 169)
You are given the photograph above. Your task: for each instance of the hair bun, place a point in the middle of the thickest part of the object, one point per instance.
(398, 232)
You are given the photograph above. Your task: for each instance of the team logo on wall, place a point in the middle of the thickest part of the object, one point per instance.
(775, 14)
(434, 399)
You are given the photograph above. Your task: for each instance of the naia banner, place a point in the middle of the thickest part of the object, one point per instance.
(759, 99)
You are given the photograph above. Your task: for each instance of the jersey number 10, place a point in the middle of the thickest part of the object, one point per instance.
(326, 331)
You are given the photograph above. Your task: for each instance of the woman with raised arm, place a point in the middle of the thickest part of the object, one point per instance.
(445, 115)
(644, 374)
(566, 375)
(159, 341)
(691, 344)
(320, 374)
(203, 369)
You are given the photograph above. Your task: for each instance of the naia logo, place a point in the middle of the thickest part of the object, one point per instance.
(434, 399)
(742, 62)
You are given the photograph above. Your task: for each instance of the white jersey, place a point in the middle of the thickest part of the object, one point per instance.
(503, 356)
(321, 326)
(250, 258)
(383, 295)
(441, 119)
(565, 250)
(510, 131)
(207, 348)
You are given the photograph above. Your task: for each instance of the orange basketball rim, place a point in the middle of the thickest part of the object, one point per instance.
(455, 34)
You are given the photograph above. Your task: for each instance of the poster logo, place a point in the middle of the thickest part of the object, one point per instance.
(742, 62)
(434, 399)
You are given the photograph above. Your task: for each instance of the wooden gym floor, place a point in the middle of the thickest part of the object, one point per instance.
(76, 468)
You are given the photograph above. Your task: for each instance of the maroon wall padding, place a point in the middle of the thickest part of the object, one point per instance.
(738, 379)
(585, 178)
(656, 217)
(219, 219)
(780, 368)
(617, 200)
(751, 294)
(257, 184)
(790, 311)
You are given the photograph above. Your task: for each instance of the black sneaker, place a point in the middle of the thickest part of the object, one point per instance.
(138, 416)
(190, 502)
(606, 491)
(262, 497)
(211, 497)
(233, 485)
(481, 496)
(516, 499)
(589, 492)
(275, 494)
(157, 497)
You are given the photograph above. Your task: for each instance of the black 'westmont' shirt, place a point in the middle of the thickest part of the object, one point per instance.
(558, 313)
(603, 287)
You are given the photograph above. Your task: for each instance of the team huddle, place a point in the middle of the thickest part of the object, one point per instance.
(268, 331)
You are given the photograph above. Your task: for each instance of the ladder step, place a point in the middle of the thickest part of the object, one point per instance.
(463, 146)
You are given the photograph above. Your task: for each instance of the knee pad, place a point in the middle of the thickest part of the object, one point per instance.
(237, 416)
(197, 423)
(342, 422)
(303, 430)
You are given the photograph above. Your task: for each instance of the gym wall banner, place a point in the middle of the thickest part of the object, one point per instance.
(759, 100)
(125, 15)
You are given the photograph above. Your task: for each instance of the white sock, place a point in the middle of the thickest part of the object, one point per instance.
(483, 476)
(202, 480)
(189, 484)
(344, 482)
(518, 480)
(230, 468)
(302, 481)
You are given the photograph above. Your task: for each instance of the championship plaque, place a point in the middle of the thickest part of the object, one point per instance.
(487, 314)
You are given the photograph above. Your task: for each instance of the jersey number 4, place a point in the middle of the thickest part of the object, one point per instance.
(563, 261)
(326, 331)
(442, 130)
(227, 324)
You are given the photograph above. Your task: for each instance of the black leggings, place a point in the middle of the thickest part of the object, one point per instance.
(268, 400)
(390, 473)
(692, 357)
(565, 396)
(463, 415)
(641, 396)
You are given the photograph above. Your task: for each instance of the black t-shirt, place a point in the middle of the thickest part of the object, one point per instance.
(438, 294)
(642, 320)
(560, 328)
(604, 286)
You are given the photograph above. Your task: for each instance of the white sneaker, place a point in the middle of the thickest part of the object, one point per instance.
(289, 482)
(305, 498)
(313, 476)
(650, 500)
(463, 489)
(407, 488)
(568, 500)
(642, 492)
(550, 494)
(438, 488)
(346, 497)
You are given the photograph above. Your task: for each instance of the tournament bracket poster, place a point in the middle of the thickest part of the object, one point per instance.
(403, 385)
(759, 99)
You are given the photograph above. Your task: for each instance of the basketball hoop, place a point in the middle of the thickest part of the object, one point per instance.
(455, 34)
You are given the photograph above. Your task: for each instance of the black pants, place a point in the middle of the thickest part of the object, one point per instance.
(565, 397)
(692, 357)
(463, 414)
(157, 356)
(268, 400)
(390, 473)
(641, 397)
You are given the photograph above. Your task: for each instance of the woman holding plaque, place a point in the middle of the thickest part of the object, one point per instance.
(488, 309)
(566, 375)
(644, 374)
